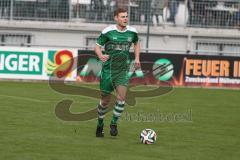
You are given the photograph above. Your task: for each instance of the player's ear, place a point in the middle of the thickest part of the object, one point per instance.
(115, 18)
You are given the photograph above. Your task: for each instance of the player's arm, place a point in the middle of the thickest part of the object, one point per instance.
(137, 54)
(98, 51)
(101, 41)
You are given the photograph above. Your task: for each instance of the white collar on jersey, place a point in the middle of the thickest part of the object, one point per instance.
(120, 30)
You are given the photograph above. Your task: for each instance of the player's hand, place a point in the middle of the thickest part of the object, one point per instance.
(104, 58)
(137, 64)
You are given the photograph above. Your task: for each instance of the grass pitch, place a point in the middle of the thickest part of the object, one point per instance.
(191, 124)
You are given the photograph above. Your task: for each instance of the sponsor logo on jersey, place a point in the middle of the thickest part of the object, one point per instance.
(129, 39)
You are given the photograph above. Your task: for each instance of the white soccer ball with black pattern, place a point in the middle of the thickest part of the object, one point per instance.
(148, 136)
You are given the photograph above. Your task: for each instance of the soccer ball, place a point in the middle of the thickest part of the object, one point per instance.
(148, 136)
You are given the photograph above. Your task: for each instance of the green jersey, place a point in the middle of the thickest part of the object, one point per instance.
(116, 44)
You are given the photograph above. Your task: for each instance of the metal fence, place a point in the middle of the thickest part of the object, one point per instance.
(187, 13)
(213, 47)
(223, 14)
(54, 10)
(190, 13)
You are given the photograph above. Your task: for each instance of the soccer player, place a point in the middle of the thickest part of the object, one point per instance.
(116, 40)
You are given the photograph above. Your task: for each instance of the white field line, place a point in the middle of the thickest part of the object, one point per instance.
(38, 100)
(24, 98)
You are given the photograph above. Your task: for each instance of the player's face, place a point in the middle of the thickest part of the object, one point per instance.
(122, 19)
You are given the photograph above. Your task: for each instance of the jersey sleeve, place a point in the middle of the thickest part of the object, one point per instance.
(102, 39)
(135, 38)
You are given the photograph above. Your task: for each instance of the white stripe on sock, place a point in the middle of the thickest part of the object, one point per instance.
(116, 113)
(121, 102)
(101, 116)
(119, 108)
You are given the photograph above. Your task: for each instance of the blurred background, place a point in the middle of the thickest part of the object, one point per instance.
(210, 27)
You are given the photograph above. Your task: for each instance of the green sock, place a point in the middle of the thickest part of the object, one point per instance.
(118, 109)
(100, 122)
(114, 120)
(101, 110)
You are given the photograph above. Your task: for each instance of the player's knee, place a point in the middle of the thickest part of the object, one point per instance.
(120, 98)
(105, 102)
